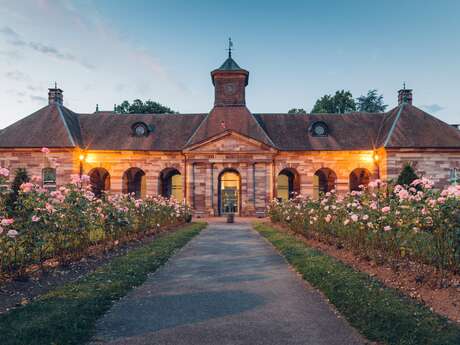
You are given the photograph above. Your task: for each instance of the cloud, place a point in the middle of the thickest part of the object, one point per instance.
(433, 108)
(16, 75)
(15, 39)
(38, 98)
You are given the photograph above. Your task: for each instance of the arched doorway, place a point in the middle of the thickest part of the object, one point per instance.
(170, 184)
(287, 184)
(229, 191)
(358, 177)
(324, 181)
(100, 181)
(134, 182)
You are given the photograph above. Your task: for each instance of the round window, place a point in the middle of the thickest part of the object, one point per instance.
(140, 130)
(319, 129)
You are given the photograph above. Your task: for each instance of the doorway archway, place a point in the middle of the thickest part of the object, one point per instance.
(134, 182)
(171, 184)
(100, 181)
(229, 191)
(359, 177)
(287, 184)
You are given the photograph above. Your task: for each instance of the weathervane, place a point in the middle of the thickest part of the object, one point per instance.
(230, 46)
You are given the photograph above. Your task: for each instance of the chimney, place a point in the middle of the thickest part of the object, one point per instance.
(405, 95)
(55, 95)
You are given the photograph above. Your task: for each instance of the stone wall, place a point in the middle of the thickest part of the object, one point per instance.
(434, 164)
(65, 161)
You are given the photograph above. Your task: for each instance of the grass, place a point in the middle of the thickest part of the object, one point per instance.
(68, 314)
(381, 314)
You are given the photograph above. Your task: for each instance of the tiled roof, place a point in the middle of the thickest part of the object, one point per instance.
(405, 126)
(112, 131)
(51, 126)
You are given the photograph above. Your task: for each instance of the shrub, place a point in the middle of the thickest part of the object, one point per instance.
(391, 225)
(63, 224)
(407, 175)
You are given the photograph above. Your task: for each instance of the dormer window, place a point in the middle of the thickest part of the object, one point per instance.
(319, 129)
(140, 129)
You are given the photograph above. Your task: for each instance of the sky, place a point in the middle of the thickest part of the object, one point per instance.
(106, 51)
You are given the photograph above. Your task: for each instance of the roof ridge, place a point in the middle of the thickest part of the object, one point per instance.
(393, 126)
(66, 125)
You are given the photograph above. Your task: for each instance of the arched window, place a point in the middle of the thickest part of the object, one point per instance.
(229, 191)
(49, 178)
(287, 184)
(359, 177)
(134, 182)
(171, 184)
(100, 181)
(324, 181)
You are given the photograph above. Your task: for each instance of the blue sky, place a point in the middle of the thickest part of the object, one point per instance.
(106, 51)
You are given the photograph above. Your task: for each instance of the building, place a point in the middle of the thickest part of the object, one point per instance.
(229, 160)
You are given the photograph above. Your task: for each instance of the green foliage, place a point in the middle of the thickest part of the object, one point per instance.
(342, 102)
(297, 111)
(68, 314)
(392, 226)
(65, 223)
(20, 176)
(140, 107)
(371, 103)
(407, 175)
(381, 314)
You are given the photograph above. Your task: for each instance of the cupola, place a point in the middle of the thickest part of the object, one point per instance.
(229, 81)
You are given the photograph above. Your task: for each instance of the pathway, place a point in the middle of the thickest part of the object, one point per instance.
(227, 286)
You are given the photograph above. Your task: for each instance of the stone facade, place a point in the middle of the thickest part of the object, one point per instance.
(200, 150)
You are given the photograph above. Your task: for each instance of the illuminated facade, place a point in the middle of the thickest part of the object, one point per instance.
(229, 160)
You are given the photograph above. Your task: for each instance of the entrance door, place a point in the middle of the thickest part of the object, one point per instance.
(229, 192)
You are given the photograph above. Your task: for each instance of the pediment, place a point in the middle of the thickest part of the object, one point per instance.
(230, 142)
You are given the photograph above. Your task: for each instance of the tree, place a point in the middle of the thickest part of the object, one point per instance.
(372, 102)
(21, 176)
(297, 111)
(341, 102)
(407, 175)
(139, 107)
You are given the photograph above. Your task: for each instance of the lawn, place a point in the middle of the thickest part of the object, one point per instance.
(379, 313)
(68, 314)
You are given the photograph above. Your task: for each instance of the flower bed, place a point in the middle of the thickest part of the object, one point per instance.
(65, 223)
(387, 224)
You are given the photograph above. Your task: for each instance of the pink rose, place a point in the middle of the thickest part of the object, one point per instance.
(354, 217)
(12, 233)
(35, 218)
(386, 209)
(387, 228)
(45, 150)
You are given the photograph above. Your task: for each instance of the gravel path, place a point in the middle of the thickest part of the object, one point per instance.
(227, 286)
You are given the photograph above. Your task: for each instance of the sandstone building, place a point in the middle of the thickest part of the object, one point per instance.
(229, 160)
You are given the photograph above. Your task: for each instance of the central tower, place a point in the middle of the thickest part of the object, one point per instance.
(229, 81)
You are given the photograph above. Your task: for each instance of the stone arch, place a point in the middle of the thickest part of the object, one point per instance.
(134, 182)
(358, 177)
(287, 184)
(170, 184)
(324, 180)
(229, 191)
(100, 181)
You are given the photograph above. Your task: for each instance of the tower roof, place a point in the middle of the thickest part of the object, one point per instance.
(229, 65)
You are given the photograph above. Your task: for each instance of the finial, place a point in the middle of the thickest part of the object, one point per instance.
(55, 85)
(404, 85)
(230, 46)
(115, 107)
(97, 108)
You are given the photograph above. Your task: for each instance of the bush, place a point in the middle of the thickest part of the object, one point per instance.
(63, 224)
(391, 225)
(407, 175)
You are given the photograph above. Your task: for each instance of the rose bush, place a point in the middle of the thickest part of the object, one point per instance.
(388, 224)
(65, 223)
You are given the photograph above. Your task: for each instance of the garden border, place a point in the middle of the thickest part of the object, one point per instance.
(378, 312)
(68, 314)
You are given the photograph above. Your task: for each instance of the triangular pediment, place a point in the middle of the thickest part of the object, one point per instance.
(230, 142)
